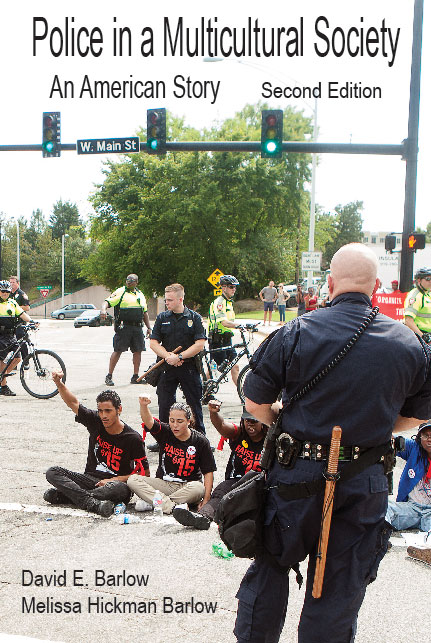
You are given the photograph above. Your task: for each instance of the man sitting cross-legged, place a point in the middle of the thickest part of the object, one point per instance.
(115, 450)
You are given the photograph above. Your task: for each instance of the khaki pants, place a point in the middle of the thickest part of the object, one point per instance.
(173, 493)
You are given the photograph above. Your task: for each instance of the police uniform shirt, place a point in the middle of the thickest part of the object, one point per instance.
(133, 304)
(221, 309)
(178, 329)
(10, 312)
(418, 306)
(20, 297)
(386, 373)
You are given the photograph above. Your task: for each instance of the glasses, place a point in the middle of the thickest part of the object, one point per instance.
(426, 436)
(426, 278)
(5, 291)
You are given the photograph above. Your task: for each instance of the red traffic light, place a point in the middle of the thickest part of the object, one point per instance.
(416, 241)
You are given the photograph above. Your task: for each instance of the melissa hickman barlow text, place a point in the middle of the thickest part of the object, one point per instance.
(111, 605)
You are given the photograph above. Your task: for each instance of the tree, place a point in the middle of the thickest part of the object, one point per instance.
(347, 223)
(64, 215)
(178, 218)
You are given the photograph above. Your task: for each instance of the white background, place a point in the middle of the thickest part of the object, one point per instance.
(29, 182)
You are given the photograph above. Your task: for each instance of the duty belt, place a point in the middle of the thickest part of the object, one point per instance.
(132, 323)
(320, 452)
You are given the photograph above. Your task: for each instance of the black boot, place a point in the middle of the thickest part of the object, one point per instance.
(103, 508)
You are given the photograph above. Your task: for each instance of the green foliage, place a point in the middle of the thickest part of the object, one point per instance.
(64, 215)
(345, 226)
(178, 217)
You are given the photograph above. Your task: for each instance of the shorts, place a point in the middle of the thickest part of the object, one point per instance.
(7, 343)
(225, 339)
(268, 305)
(129, 337)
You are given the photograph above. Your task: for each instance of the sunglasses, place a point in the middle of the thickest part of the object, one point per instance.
(426, 278)
(5, 291)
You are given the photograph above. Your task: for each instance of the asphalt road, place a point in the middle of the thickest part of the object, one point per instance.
(166, 569)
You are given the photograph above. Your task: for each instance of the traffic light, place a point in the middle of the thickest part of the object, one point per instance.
(51, 134)
(271, 138)
(156, 131)
(416, 241)
(390, 242)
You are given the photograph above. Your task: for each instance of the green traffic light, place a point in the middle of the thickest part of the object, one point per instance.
(48, 146)
(270, 147)
(153, 143)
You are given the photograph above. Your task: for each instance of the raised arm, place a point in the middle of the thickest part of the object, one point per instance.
(226, 429)
(144, 407)
(68, 398)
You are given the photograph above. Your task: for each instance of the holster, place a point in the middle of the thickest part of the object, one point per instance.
(287, 449)
(268, 451)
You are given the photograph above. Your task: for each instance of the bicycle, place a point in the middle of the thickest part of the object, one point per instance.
(36, 368)
(211, 385)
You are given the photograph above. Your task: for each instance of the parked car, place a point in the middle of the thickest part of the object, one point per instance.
(92, 318)
(71, 311)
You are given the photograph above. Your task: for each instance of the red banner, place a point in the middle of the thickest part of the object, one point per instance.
(390, 304)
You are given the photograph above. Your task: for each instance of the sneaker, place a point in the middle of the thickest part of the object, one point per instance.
(54, 497)
(423, 554)
(108, 380)
(26, 367)
(5, 390)
(190, 518)
(142, 505)
(134, 379)
(154, 448)
(103, 508)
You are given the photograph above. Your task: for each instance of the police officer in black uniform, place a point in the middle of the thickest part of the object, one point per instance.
(382, 383)
(178, 326)
(22, 300)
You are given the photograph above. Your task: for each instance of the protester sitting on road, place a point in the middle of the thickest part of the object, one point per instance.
(246, 443)
(413, 506)
(114, 449)
(184, 456)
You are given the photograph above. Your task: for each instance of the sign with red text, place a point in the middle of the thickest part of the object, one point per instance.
(390, 304)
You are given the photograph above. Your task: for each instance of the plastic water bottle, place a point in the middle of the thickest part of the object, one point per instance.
(157, 505)
(8, 358)
(119, 509)
(213, 369)
(220, 550)
(125, 519)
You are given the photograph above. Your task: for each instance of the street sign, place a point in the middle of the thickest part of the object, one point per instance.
(44, 293)
(311, 261)
(215, 276)
(108, 145)
(44, 287)
(217, 292)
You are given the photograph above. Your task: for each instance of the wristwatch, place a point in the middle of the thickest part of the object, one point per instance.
(180, 356)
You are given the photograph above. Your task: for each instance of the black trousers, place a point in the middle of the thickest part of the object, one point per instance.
(221, 490)
(357, 543)
(20, 332)
(191, 384)
(78, 487)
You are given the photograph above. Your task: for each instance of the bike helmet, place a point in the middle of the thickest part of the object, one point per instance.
(230, 280)
(5, 286)
(423, 272)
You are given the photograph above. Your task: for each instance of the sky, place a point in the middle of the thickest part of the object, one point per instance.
(29, 67)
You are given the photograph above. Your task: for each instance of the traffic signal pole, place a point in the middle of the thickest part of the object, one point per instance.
(411, 154)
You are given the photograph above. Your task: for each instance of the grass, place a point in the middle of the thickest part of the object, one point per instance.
(258, 314)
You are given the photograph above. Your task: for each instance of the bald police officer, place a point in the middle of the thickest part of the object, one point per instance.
(387, 353)
(130, 313)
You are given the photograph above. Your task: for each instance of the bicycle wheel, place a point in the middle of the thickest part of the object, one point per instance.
(37, 379)
(240, 383)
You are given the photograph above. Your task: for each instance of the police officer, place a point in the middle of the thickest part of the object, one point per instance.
(23, 301)
(10, 314)
(130, 312)
(417, 306)
(221, 321)
(178, 326)
(387, 353)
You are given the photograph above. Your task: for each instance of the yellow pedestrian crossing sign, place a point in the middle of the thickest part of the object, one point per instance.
(215, 276)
